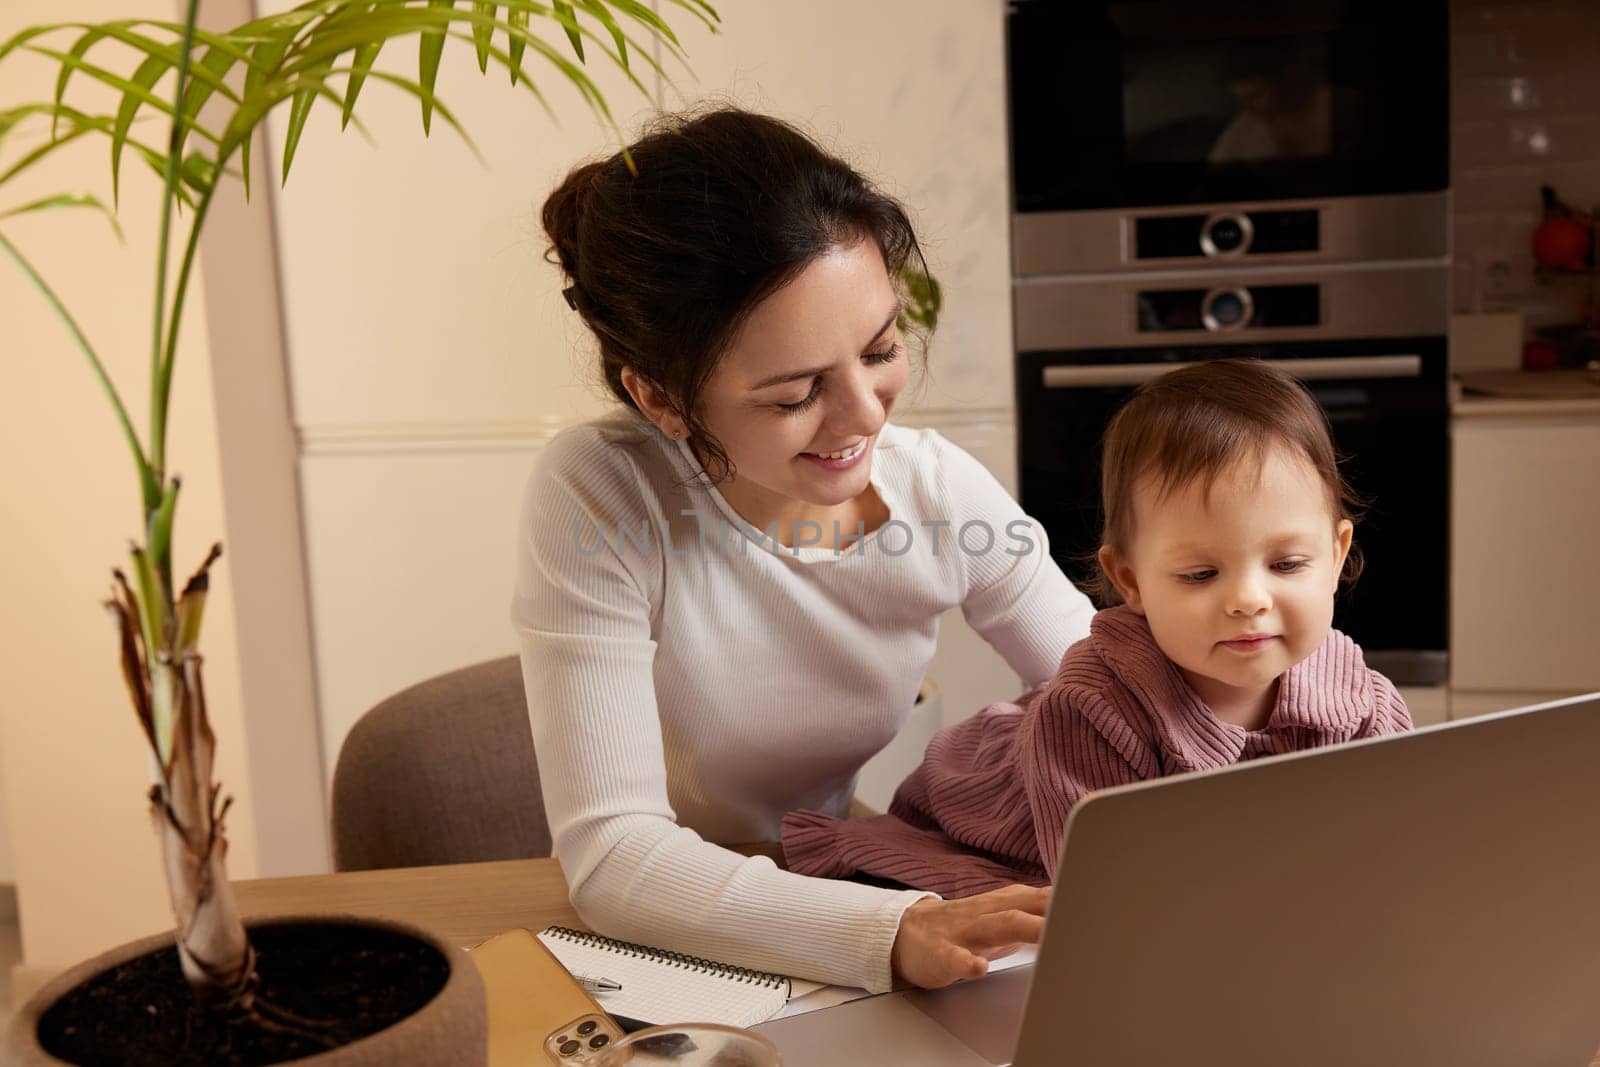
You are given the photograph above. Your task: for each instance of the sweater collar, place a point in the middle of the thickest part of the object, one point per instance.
(1328, 694)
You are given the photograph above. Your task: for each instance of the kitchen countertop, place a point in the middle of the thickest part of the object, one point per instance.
(1525, 393)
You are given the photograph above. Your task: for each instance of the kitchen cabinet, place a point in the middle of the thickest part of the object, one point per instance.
(1465, 704)
(1525, 522)
(1428, 704)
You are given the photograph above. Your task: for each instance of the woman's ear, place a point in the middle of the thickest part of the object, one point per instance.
(1122, 577)
(653, 403)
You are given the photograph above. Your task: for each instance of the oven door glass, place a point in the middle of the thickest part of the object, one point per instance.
(1143, 103)
(1387, 406)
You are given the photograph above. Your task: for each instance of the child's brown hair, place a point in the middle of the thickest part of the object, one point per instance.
(1198, 421)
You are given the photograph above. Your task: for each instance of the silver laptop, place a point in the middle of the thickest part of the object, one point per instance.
(1430, 898)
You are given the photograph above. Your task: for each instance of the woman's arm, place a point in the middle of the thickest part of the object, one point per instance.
(584, 622)
(1016, 596)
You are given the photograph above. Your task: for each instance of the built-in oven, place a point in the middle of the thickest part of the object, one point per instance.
(1367, 342)
(1160, 133)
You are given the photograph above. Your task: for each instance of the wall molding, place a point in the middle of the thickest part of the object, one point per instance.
(529, 434)
(432, 436)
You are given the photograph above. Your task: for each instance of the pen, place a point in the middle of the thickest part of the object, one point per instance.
(597, 985)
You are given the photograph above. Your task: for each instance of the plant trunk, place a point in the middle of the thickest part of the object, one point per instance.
(161, 667)
(212, 947)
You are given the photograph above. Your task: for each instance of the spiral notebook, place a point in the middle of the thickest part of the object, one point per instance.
(669, 987)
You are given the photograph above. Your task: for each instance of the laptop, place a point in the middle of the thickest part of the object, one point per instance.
(1427, 898)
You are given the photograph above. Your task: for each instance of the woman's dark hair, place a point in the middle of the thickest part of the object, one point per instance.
(719, 210)
(1196, 423)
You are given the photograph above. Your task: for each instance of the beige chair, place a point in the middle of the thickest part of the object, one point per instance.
(442, 772)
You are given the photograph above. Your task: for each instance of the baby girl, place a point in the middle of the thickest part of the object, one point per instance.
(1227, 533)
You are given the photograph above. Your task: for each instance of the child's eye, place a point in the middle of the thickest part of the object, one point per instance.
(1289, 566)
(1197, 576)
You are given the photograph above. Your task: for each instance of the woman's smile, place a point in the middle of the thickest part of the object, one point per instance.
(842, 459)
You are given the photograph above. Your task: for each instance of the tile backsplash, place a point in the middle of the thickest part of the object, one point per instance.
(1525, 104)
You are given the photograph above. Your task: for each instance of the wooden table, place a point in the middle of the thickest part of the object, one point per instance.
(465, 902)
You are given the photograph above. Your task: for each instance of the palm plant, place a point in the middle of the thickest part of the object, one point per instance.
(222, 86)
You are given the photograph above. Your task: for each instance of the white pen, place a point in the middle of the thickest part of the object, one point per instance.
(597, 985)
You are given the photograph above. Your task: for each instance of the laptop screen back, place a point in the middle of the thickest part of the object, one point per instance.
(1428, 898)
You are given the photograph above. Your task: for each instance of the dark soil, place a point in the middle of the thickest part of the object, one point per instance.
(358, 979)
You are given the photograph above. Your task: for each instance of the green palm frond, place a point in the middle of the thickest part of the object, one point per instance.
(211, 91)
(67, 200)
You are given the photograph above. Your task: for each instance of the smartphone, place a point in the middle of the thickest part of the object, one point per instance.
(538, 1013)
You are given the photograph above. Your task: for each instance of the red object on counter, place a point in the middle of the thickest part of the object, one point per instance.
(1562, 243)
(1539, 355)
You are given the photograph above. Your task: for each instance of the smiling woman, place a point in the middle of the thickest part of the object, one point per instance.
(685, 693)
(797, 442)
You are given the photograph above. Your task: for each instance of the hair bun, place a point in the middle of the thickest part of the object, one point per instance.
(563, 214)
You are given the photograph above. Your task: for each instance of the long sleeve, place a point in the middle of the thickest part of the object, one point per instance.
(987, 805)
(1016, 595)
(584, 611)
(1066, 754)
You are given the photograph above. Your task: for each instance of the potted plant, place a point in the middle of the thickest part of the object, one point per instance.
(336, 990)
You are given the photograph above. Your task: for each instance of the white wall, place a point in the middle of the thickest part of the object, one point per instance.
(912, 93)
(259, 456)
(75, 764)
(432, 355)
(8, 872)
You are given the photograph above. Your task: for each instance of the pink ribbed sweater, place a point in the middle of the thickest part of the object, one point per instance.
(988, 804)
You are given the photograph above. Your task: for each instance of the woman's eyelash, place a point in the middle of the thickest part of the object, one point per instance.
(801, 405)
(888, 355)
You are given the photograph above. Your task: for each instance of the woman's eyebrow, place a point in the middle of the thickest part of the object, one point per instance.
(796, 375)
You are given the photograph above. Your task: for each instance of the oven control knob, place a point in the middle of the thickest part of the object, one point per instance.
(1226, 235)
(1226, 309)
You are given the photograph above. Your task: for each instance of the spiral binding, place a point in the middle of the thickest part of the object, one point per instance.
(674, 959)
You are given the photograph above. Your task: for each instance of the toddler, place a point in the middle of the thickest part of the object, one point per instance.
(1227, 533)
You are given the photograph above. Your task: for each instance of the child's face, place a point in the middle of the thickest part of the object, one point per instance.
(1237, 584)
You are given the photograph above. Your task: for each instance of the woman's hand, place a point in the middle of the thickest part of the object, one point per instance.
(941, 941)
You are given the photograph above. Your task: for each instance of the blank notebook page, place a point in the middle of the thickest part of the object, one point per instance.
(665, 987)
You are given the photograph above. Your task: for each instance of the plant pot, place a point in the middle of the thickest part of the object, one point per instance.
(436, 1011)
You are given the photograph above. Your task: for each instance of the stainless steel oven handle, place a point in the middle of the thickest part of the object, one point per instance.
(1316, 368)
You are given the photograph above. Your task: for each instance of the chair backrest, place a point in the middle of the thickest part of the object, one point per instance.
(442, 772)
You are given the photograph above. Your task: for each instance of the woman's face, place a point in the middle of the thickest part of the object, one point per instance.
(799, 397)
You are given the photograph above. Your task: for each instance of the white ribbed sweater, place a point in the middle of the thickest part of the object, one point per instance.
(688, 690)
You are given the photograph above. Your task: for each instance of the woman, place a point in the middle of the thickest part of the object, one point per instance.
(729, 592)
